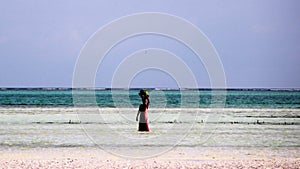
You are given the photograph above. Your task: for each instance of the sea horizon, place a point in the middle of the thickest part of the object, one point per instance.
(151, 88)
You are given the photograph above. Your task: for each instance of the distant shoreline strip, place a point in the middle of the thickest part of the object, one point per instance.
(163, 89)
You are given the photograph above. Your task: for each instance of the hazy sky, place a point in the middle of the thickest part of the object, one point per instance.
(258, 41)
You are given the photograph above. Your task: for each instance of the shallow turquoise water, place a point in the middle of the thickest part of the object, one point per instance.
(238, 98)
(113, 127)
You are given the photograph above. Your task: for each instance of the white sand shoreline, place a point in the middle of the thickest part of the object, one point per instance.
(182, 157)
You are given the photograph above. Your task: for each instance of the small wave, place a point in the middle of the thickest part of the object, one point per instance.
(271, 116)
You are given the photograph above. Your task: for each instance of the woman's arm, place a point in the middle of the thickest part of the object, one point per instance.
(137, 115)
(148, 102)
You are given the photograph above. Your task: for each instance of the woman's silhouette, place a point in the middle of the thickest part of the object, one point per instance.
(143, 111)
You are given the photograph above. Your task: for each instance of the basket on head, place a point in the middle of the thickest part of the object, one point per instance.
(144, 92)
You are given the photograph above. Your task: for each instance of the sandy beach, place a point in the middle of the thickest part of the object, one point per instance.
(176, 158)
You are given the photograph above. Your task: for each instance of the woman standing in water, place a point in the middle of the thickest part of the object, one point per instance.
(143, 111)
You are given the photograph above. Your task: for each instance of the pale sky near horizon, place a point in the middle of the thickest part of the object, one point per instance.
(258, 41)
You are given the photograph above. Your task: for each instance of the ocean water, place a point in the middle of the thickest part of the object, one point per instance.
(234, 98)
(187, 118)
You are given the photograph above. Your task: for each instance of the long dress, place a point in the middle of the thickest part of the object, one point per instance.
(143, 120)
